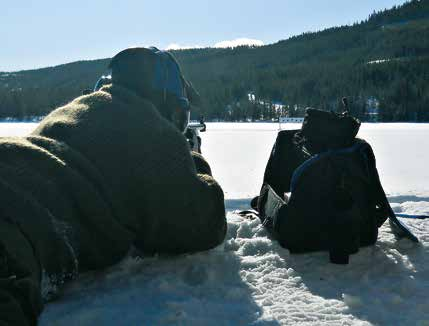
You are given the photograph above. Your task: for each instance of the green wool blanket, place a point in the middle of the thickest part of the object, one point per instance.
(102, 174)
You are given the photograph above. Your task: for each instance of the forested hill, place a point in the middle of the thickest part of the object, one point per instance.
(382, 62)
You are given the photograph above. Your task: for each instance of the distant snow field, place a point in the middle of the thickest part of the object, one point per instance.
(250, 279)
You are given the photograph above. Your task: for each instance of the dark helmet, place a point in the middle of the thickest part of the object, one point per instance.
(155, 75)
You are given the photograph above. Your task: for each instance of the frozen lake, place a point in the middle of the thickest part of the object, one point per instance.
(250, 279)
(238, 153)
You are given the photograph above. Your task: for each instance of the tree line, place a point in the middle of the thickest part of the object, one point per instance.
(382, 61)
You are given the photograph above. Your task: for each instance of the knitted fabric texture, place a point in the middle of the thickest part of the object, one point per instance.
(97, 176)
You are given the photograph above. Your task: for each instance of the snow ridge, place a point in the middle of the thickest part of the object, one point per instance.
(251, 280)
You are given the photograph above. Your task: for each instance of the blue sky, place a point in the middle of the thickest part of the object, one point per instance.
(46, 32)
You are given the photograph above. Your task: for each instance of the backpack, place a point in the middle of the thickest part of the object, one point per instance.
(324, 193)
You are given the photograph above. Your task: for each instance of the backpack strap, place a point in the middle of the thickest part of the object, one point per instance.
(384, 209)
(417, 217)
(398, 227)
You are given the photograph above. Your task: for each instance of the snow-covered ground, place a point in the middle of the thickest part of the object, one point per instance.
(250, 279)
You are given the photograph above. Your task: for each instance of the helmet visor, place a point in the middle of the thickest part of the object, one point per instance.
(104, 80)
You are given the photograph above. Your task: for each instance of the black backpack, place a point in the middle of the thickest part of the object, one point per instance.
(336, 200)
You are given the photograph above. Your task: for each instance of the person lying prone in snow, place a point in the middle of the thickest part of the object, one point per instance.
(106, 172)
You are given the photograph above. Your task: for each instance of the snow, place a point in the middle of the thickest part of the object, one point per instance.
(378, 61)
(238, 154)
(16, 128)
(250, 279)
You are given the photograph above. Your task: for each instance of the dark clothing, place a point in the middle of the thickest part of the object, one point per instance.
(97, 176)
(336, 201)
